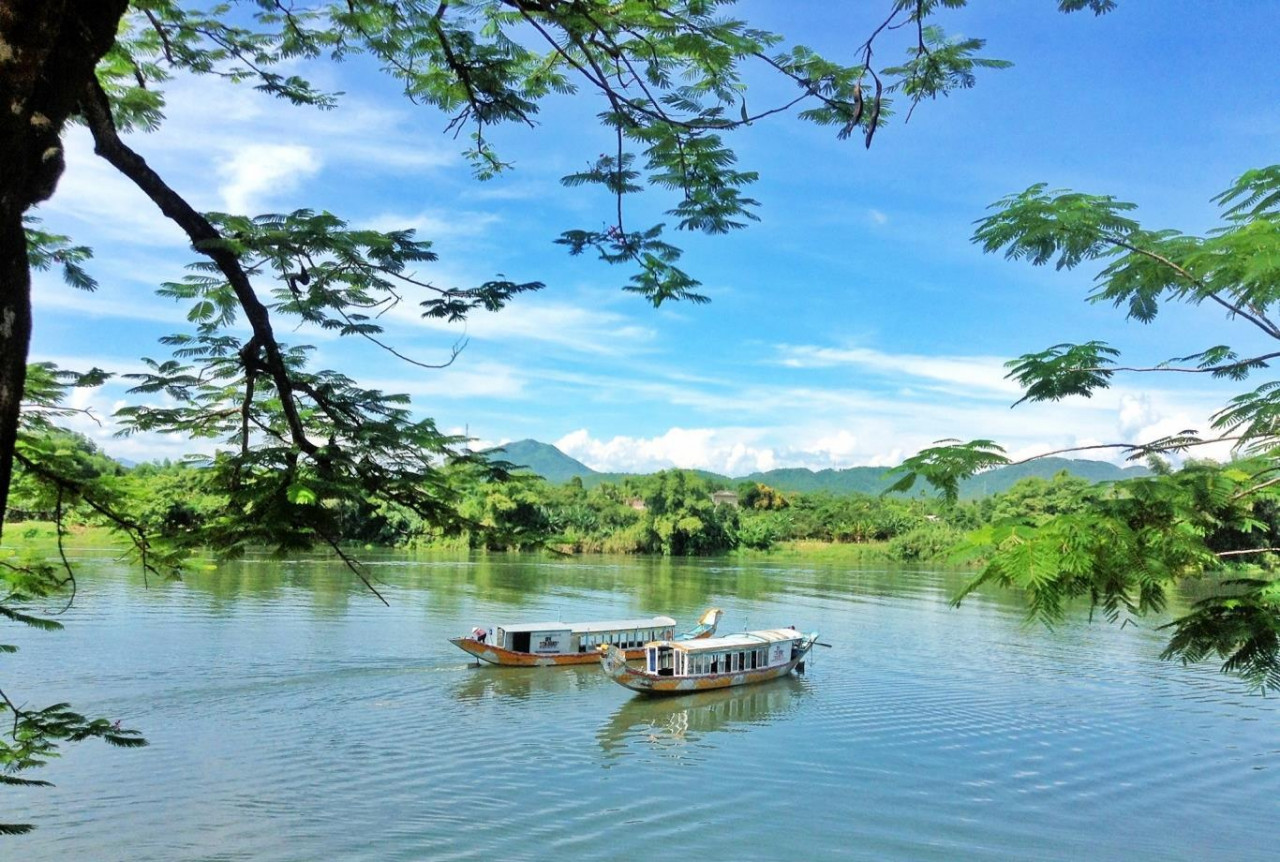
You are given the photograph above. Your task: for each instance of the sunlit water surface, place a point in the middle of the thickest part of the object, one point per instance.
(292, 716)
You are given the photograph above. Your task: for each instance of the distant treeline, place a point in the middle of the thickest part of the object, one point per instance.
(671, 513)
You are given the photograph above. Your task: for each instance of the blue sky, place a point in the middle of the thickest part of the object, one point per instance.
(853, 325)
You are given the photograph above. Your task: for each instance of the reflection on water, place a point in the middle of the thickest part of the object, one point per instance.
(526, 683)
(671, 724)
(511, 582)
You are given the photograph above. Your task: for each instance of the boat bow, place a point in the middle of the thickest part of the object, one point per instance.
(706, 626)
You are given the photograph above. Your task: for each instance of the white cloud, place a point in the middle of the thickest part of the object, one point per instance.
(463, 380)
(107, 302)
(693, 448)
(839, 446)
(98, 423)
(978, 376)
(1136, 413)
(568, 325)
(256, 173)
(436, 225)
(877, 216)
(97, 195)
(204, 114)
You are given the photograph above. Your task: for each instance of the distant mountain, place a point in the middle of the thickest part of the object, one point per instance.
(555, 466)
(542, 458)
(861, 480)
(996, 481)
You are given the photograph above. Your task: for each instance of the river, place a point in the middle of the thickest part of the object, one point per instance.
(291, 716)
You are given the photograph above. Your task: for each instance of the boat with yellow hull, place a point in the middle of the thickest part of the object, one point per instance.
(679, 667)
(555, 643)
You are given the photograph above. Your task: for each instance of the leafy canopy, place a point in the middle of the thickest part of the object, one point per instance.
(1125, 553)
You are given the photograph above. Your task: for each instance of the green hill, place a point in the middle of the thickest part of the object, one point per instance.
(544, 459)
(996, 481)
(555, 466)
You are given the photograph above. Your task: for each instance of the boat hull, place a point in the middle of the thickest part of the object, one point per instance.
(648, 683)
(494, 654)
(509, 658)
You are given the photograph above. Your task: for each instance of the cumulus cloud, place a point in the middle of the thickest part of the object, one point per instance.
(256, 173)
(1136, 413)
(840, 445)
(687, 448)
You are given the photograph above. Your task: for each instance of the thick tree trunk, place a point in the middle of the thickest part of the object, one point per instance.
(48, 51)
(15, 336)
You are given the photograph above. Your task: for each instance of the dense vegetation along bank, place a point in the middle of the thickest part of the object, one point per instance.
(674, 513)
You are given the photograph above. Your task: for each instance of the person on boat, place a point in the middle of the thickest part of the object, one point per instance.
(478, 633)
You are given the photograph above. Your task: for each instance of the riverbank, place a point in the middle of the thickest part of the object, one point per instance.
(28, 536)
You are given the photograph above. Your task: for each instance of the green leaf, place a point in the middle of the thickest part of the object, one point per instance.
(301, 495)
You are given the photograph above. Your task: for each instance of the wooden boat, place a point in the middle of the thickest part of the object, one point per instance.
(556, 643)
(677, 667)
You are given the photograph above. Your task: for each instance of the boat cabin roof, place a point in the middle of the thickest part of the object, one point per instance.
(602, 626)
(737, 641)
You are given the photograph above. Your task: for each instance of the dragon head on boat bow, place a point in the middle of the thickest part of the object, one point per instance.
(613, 660)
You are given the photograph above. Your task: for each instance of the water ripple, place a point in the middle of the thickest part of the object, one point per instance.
(290, 718)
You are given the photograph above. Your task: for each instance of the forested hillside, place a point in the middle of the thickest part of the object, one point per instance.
(550, 463)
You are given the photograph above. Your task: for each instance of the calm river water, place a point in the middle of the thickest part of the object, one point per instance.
(292, 716)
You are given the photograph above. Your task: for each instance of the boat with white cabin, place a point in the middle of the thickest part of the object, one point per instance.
(677, 667)
(556, 643)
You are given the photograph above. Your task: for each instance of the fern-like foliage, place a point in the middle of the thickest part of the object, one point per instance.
(1239, 627)
(945, 464)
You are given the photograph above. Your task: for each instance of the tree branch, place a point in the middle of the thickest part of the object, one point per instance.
(205, 239)
(1259, 320)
